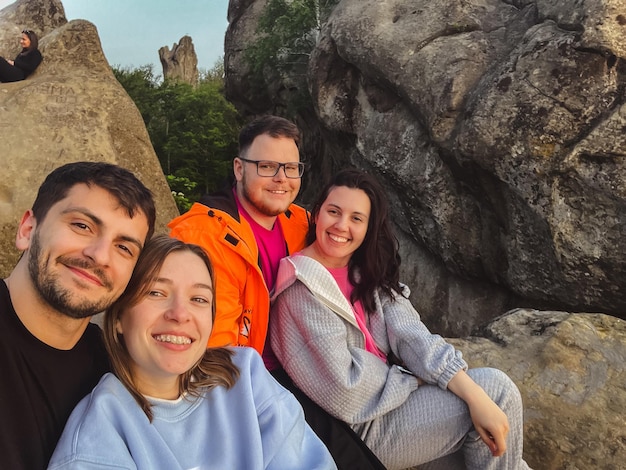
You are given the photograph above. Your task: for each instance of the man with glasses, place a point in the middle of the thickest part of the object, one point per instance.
(247, 229)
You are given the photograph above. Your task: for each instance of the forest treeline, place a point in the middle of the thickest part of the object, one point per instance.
(193, 130)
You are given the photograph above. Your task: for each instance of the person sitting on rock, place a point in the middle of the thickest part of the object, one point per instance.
(171, 403)
(344, 329)
(26, 61)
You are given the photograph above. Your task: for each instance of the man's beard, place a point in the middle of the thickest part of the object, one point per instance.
(59, 298)
(258, 203)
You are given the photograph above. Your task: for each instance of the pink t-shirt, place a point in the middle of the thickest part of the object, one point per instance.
(341, 277)
(272, 248)
(271, 244)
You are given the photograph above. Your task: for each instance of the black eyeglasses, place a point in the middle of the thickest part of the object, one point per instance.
(269, 169)
(27, 32)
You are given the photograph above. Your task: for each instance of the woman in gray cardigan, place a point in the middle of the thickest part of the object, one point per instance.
(345, 332)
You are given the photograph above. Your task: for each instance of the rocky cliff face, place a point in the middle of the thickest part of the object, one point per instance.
(498, 128)
(72, 108)
(181, 63)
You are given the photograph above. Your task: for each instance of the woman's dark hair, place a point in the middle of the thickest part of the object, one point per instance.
(214, 368)
(376, 263)
(34, 40)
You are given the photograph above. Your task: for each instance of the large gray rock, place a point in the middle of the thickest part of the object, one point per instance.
(498, 129)
(181, 63)
(72, 108)
(243, 18)
(570, 371)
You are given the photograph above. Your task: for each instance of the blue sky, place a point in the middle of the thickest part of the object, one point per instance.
(132, 31)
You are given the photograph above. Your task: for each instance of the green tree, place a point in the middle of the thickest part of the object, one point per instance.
(193, 129)
(141, 85)
(181, 187)
(215, 74)
(288, 31)
(198, 133)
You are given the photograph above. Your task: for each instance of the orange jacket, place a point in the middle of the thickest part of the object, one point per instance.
(242, 298)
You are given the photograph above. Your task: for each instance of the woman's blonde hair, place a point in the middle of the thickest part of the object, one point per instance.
(214, 368)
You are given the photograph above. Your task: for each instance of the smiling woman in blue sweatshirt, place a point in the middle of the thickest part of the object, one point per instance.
(172, 404)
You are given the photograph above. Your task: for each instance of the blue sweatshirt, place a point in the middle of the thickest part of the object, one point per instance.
(256, 424)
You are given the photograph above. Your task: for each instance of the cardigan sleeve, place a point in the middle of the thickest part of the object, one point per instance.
(426, 355)
(325, 356)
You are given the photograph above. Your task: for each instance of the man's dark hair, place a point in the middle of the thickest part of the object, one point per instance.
(131, 194)
(274, 126)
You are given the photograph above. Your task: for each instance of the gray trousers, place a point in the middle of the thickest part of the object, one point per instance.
(433, 430)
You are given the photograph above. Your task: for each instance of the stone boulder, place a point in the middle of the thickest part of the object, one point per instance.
(498, 130)
(181, 63)
(72, 108)
(570, 371)
(242, 24)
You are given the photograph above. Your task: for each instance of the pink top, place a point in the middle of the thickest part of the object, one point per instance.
(272, 248)
(271, 244)
(341, 277)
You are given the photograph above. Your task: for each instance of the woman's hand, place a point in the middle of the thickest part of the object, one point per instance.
(489, 420)
(10, 62)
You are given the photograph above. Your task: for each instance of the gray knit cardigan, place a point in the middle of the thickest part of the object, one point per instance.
(314, 334)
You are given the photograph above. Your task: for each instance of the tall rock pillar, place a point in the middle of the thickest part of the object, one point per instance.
(181, 63)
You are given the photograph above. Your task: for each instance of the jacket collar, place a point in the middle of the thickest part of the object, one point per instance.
(318, 280)
(224, 200)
